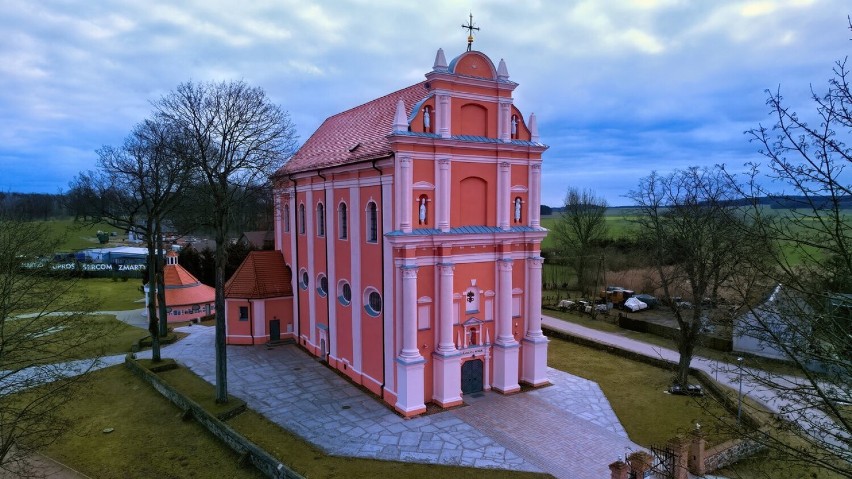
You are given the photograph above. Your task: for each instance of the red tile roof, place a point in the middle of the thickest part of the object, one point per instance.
(263, 274)
(367, 125)
(182, 288)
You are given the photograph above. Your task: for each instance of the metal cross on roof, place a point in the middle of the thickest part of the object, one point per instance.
(470, 28)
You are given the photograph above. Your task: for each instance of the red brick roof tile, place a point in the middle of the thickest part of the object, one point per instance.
(182, 288)
(263, 274)
(367, 125)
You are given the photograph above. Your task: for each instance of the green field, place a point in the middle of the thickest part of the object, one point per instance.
(109, 295)
(619, 222)
(73, 236)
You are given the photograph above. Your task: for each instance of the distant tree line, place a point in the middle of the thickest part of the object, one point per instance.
(33, 206)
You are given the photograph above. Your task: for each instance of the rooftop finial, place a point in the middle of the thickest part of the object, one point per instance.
(470, 28)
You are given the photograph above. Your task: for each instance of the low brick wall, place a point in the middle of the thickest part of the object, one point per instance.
(262, 460)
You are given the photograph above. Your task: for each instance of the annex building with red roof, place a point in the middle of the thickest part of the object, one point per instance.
(408, 233)
(187, 298)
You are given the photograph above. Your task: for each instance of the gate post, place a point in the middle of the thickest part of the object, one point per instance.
(619, 470)
(680, 448)
(640, 462)
(697, 453)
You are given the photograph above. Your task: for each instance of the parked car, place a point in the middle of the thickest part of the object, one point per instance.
(648, 299)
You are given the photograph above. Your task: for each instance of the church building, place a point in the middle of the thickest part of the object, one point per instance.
(409, 227)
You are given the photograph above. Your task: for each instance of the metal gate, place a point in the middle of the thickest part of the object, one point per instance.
(664, 462)
(471, 376)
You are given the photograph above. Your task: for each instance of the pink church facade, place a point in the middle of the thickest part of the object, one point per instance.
(411, 227)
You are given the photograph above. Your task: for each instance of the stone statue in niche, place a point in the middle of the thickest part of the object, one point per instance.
(422, 215)
(514, 126)
(427, 119)
(517, 210)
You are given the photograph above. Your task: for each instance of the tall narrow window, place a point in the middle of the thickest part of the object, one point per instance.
(341, 218)
(372, 223)
(301, 219)
(320, 220)
(286, 218)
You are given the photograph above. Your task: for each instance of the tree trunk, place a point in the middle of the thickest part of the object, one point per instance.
(161, 283)
(221, 353)
(686, 349)
(152, 299)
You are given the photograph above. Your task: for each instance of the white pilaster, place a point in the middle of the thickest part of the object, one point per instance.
(504, 170)
(534, 200)
(445, 319)
(388, 312)
(409, 313)
(442, 106)
(505, 346)
(504, 115)
(446, 363)
(291, 201)
(442, 195)
(310, 211)
(535, 343)
(356, 217)
(331, 227)
(410, 363)
(404, 206)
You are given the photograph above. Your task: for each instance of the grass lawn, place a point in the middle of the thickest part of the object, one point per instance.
(149, 437)
(73, 236)
(769, 365)
(310, 461)
(636, 392)
(111, 295)
(52, 339)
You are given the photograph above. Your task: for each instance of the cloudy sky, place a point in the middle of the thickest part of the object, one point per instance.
(620, 87)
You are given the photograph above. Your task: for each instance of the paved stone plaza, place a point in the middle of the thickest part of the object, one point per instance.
(567, 429)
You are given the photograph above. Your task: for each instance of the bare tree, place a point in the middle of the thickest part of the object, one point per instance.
(40, 330)
(582, 224)
(138, 184)
(238, 138)
(691, 226)
(808, 319)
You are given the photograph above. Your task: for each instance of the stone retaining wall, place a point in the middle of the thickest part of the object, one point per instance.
(729, 452)
(265, 462)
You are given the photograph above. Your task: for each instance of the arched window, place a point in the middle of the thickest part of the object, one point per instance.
(514, 127)
(427, 119)
(372, 223)
(320, 219)
(423, 210)
(342, 221)
(301, 219)
(286, 218)
(517, 208)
